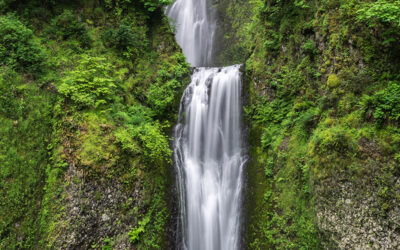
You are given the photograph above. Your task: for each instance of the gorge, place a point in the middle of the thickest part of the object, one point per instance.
(208, 124)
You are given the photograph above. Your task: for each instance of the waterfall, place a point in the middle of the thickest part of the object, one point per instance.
(208, 144)
(195, 30)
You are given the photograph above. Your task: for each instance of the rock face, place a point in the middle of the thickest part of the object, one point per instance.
(349, 215)
(361, 211)
(93, 211)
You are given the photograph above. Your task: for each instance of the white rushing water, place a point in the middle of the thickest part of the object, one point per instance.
(209, 159)
(195, 30)
(208, 142)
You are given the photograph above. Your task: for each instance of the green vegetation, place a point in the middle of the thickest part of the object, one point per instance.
(90, 84)
(152, 5)
(333, 81)
(383, 106)
(86, 104)
(90, 90)
(18, 48)
(25, 128)
(66, 26)
(383, 11)
(125, 38)
(135, 232)
(323, 109)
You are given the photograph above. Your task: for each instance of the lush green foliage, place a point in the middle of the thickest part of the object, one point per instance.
(140, 127)
(152, 5)
(321, 89)
(93, 106)
(134, 234)
(162, 94)
(18, 47)
(66, 26)
(383, 106)
(91, 84)
(149, 5)
(383, 11)
(108, 244)
(126, 38)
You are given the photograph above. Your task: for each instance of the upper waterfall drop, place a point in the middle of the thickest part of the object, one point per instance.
(195, 30)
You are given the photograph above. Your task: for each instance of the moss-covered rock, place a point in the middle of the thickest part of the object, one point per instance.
(333, 81)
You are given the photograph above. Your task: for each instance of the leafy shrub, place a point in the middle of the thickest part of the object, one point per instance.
(125, 5)
(152, 5)
(133, 119)
(135, 115)
(140, 134)
(134, 234)
(272, 44)
(274, 112)
(91, 84)
(383, 106)
(307, 121)
(309, 47)
(127, 141)
(66, 26)
(108, 244)
(161, 95)
(18, 49)
(269, 136)
(383, 11)
(154, 142)
(125, 38)
(301, 4)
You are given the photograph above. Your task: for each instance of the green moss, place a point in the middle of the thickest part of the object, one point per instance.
(333, 81)
(25, 131)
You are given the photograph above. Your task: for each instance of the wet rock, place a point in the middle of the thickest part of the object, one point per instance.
(105, 217)
(349, 215)
(94, 211)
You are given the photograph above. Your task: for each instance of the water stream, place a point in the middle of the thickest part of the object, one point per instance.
(208, 144)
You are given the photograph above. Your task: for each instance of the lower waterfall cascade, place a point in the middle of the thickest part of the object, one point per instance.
(209, 160)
